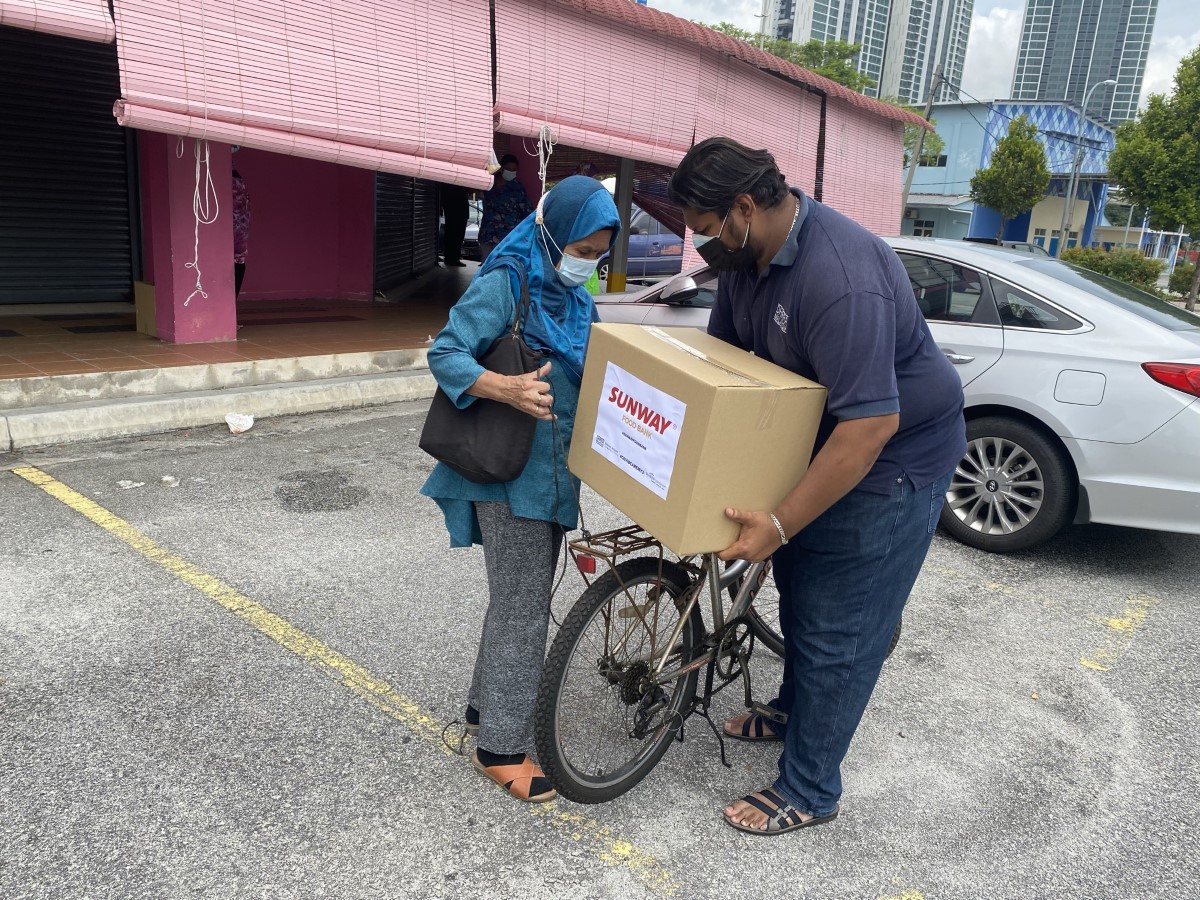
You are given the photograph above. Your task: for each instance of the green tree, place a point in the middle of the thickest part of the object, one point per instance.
(931, 147)
(1017, 176)
(1117, 213)
(1157, 158)
(833, 59)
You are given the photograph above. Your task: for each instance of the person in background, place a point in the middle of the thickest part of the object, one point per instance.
(521, 523)
(808, 289)
(504, 206)
(241, 228)
(455, 212)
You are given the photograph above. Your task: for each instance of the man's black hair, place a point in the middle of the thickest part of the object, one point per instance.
(509, 158)
(717, 170)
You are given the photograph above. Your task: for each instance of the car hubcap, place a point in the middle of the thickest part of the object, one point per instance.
(997, 488)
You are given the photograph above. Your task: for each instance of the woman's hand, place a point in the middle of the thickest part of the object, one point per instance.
(528, 393)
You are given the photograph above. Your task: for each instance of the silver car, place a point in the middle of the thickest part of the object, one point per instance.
(1082, 393)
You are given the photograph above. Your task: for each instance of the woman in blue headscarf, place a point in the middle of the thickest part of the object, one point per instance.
(521, 523)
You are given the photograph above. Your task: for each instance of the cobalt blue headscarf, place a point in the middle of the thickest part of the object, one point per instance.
(561, 316)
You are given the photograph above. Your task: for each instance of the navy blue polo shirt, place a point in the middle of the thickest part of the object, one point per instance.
(836, 306)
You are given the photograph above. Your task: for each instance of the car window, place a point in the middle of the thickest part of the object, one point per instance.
(1020, 309)
(641, 224)
(945, 291)
(1119, 294)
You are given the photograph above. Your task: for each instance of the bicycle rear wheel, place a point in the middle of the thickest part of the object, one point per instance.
(602, 722)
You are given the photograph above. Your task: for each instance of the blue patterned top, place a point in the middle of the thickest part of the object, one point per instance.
(545, 490)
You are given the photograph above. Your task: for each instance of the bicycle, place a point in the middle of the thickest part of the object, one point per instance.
(620, 679)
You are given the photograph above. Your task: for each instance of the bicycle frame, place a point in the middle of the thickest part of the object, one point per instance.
(718, 583)
(611, 545)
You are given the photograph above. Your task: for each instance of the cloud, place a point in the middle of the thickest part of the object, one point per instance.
(1166, 50)
(992, 53)
(742, 13)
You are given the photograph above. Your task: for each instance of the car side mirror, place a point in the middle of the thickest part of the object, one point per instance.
(680, 290)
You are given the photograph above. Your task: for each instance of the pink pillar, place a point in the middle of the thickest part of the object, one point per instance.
(182, 315)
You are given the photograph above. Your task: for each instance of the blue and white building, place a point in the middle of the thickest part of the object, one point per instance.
(940, 204)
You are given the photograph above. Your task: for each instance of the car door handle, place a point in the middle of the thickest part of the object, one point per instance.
(959, 359)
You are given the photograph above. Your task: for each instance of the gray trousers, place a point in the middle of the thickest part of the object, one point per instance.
(521, 556)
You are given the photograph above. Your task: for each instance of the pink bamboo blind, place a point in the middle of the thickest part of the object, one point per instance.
(762, 111)
(600, 86)
(398, 87)
(85, 19)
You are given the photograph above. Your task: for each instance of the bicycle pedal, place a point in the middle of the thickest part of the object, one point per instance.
(770, 713)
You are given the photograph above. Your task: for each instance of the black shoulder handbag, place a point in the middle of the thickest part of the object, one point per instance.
(489, 441)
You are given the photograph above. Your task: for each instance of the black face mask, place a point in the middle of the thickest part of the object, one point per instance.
(721, 258)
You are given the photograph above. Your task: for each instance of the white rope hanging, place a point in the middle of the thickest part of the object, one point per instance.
(545, 150)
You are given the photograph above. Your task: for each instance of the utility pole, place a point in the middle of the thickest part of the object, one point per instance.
(1128, 222)
(762, 23)
(916, 157)
(1064, 228)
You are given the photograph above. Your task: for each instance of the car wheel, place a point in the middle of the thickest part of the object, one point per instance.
(602, 270)
(1014, 488)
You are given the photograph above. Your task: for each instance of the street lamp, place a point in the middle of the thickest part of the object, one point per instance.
(1064, 228)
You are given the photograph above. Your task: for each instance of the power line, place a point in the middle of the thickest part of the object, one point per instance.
(1058, 136)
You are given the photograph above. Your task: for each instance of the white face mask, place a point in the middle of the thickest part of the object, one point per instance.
(575, 271)
(509, 175)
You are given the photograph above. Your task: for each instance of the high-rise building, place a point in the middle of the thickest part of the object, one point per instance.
(903, 41)
(1067, 46)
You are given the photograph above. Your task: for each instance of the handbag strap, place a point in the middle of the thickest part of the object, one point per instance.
(523, 302)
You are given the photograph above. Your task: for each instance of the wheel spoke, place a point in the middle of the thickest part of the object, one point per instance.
(608, 716)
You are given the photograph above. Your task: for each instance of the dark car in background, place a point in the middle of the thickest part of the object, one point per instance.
(654, 250)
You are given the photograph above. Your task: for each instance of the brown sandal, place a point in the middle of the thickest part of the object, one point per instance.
(516, 778)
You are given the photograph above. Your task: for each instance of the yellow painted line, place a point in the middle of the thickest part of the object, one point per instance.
(1120, 632)
(607, 847)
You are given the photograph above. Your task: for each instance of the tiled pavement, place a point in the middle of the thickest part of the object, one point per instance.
(53, 340)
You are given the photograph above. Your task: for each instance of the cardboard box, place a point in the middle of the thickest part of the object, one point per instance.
(674, 426)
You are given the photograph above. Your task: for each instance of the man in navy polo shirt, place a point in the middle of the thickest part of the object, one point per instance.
(816, 293)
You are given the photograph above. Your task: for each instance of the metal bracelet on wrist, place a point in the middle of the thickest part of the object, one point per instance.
(783, 538)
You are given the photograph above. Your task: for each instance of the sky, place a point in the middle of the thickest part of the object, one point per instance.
(995, 36)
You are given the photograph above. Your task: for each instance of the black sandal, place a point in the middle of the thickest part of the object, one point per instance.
(782, 817)
(754, 730)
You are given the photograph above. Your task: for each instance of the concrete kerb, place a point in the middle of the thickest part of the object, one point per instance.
(126, 416)
(44, 391)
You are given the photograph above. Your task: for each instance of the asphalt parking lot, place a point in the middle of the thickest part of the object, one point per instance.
(226, 663)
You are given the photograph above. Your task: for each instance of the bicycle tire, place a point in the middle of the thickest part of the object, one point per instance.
(568, 718)
(764, 632)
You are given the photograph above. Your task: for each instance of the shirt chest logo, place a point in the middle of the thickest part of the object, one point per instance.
(781, 318)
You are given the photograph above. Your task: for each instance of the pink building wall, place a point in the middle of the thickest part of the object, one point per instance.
(312, 228)
(864, 167)
(191, 305)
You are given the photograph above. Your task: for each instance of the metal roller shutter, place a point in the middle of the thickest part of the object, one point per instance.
(425, 226)
(393, 230)
(66, 232)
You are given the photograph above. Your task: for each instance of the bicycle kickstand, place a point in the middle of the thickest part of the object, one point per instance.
(701, 709)
(770, 713)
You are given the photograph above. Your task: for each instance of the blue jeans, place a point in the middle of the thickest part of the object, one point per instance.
(843, 582)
